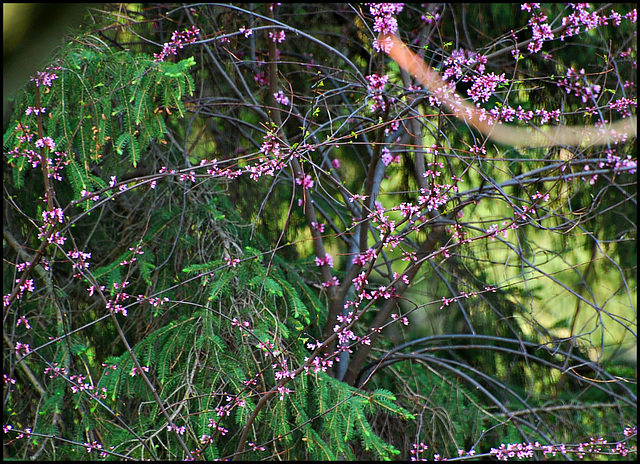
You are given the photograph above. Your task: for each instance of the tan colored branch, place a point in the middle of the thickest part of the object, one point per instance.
(547, 136)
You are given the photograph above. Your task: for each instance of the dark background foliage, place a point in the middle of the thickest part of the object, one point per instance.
(547, 357)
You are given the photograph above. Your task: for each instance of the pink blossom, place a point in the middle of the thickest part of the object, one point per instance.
(332, 283)
(23, 320)
(376, 91)
(283, 391)
(32, 110)
(360, 281)
(388, 158)
(575, 83)
(281, 98)
(357, 197)
(134, 370)
(328, 260)
(484, 86)
(318, 227)
(384, 22)
(178, 41)
(279, 36)
(306, 181)
(24, 347)
(44, 78)
(364, 257)
(233, 262)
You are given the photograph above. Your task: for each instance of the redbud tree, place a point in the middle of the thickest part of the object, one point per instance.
(244, 232)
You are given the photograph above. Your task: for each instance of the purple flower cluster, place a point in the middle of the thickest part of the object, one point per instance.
(388, 158)
(305, 180)
(376, 91)
(384, 22)
(178, 41)
(484, 86)
(540, 29)
(581, 17)
(328, 260)
(418, 449)
(436, 196)
(580, 20)
(618, 164)
(272, 161)
(44, 78)
(525, 450)
(575, 82)
(589, 20)
(281, 98)
(53, 165)
(622, 106)
(279, 36)
(365, 257)
(519, 450)
(454, 65)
